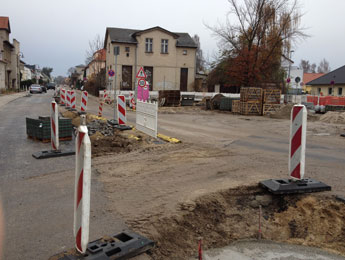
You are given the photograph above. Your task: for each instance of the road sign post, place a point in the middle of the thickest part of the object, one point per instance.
(141, 76)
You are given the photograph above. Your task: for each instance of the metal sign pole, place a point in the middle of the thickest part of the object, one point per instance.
(115, 99)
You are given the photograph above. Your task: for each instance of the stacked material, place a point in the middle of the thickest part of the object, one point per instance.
(271, 101)
(169, 97)
(235, 106)
(39, 129)
(251, 101)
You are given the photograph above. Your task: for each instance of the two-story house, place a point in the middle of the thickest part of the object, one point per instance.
(168, 58)
(97, 63)
(9, 57)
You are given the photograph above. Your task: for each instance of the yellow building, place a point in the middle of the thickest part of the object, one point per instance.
(168, 58)
(330, 84)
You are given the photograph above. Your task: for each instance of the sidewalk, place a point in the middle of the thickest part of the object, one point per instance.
(4, 99)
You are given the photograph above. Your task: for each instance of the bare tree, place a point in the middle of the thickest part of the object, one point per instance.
(200, 62)
(265, 29)
(305, 65)
(313, 68)
(94, 45)
(323, 66)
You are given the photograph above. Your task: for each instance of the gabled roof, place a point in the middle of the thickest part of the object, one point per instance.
(307, 77)
(5, 23)
(100, 55)
(123, 35)
(338, 76)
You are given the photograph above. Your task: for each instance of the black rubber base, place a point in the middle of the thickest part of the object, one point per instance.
(120, 246)
(50, 154)
(122, 127)
(113, 122)
(287, 186)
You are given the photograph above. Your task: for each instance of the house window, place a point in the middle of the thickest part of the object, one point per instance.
(329, 91)
(319, 91)
(148, 44)
(109, 48)
(164, 48)
(127, 49)
(184, 52)
(340, 91)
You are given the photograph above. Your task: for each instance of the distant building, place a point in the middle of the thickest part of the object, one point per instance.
(294, 74)
(168, 58)
(307, 77)
(330, 84)
(97, 63)
(79, 71)
(9, 57)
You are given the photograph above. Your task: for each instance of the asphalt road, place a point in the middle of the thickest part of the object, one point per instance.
(38, 195)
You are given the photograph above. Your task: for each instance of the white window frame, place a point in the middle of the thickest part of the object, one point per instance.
(148, 45)
(164, 45)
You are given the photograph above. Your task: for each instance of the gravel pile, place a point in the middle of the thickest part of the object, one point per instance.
(100, 126)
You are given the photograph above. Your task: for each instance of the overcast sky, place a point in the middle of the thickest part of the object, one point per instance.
(56, 33)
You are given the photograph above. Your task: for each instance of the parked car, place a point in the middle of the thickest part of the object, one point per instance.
(51, 86)
(34, 88)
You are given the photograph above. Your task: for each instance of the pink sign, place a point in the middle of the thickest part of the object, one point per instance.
(144, 93)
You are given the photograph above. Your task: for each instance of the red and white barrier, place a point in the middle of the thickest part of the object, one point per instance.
(131, 100)
(100, 108)
(83, 104)
(68, 98)
(54, 126)
(121, 110)
(62, 96)
(82, 189)
(298, 133)
(73, 99)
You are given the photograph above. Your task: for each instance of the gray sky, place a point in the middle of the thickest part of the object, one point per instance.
(56, 33)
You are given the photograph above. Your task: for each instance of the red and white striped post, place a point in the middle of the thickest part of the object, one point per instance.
(73, 99)
(132, 101)
(68, 98)
(62, 96)
(82, 187)
(100, 108)
(83, 104)
(121, 109)
(54, 126)
(298, 134)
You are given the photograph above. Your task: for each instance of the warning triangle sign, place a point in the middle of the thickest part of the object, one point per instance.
(141, 74)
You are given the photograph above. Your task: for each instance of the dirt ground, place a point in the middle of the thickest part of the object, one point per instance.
(207, 186)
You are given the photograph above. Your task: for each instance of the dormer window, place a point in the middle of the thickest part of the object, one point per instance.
(164, 47)
(184, 52)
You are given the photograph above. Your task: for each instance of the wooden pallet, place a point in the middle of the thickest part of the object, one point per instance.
(253, 108)
(235, 107)
(251, 94)
(270, 108)
(272, 96)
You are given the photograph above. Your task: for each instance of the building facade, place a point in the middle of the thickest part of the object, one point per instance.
(9, 57)
(330, 84)
(168, 58)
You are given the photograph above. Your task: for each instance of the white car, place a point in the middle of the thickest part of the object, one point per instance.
(34, 88)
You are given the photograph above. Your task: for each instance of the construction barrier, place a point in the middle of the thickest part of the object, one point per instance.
(100, 108)
(146, 117)
(82, 188)
(54, 126)
(328, 100)
(131, 100)
(298, 133)
(83, 104)
(62, 96)
(73, 99)
(121, 110)
(68, 98)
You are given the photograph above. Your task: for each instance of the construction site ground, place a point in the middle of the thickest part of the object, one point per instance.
(206, 186)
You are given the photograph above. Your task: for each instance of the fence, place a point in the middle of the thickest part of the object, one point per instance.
(146, 117)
